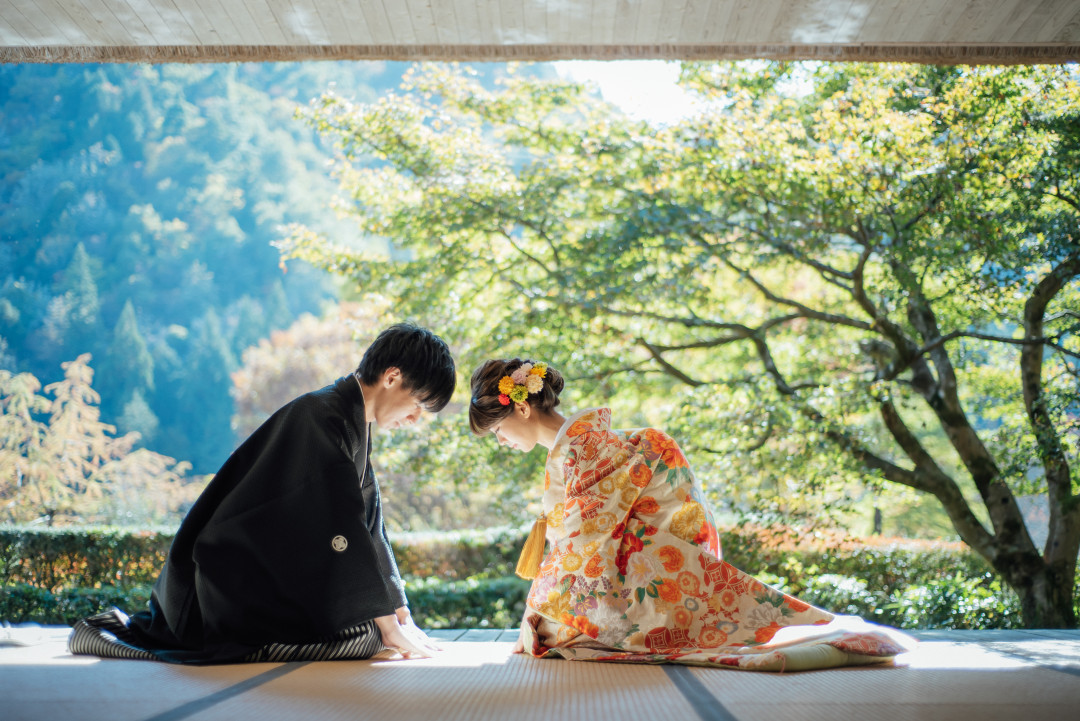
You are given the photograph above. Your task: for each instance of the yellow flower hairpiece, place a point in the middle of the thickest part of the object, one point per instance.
(516, 387)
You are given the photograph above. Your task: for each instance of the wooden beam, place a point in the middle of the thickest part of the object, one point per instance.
(940, 53)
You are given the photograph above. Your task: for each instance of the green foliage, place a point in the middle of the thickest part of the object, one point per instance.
(128, 362)
(89, 557)
(956, 602)
(23, 603)
(959, 602)
(818, 287)
(469, 603)
(138, 200)
(86, 557)
(464, 580)
(899, 585)
(460, 555)
(456, 580)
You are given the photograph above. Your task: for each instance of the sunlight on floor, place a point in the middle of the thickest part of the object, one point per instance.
(458, 655)
(942, 655)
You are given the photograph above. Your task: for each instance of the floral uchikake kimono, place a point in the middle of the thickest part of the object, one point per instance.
(634, 571)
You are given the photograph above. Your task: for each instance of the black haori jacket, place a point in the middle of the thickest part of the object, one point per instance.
(285, 545)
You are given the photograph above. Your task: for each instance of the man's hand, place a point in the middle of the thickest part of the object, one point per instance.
(402, 635)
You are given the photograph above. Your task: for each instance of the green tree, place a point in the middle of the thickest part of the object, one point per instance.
(129, 367)
(162, 186)
(278, 315)
(75, 311)
(833, 275)
(251, 325)
(204, 402)
(138, 417)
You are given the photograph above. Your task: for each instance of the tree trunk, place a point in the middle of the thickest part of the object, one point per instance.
(1046, 595)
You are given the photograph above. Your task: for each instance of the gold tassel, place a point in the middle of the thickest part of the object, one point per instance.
(532, 553)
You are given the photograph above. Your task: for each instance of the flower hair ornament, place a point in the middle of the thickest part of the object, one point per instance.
(516, 387)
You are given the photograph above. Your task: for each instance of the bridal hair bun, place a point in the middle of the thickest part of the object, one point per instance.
(499, 383)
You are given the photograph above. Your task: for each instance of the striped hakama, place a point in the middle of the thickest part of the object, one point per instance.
(107, 635)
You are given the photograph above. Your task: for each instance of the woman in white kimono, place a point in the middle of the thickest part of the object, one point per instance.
(633, 569)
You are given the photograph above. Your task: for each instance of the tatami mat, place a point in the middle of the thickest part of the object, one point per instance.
(952, 675)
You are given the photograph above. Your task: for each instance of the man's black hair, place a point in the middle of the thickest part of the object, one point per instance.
(422, 357)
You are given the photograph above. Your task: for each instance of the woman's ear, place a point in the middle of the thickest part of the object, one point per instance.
(524, 410)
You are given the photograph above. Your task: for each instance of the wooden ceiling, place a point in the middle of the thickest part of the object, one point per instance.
(944, 31)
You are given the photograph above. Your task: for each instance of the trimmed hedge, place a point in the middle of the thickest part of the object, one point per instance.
(91, 557)
(59, 558)
(23, 603)
(467, 603)
(886, 565)
(57, 576)
(465, 579)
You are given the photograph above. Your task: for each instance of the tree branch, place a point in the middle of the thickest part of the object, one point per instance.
(522, 251)
(923, 380)
(694, 321)
(804, 310)
(668, 368)
(756, 445)
(937, 482)
(1065, 198)
(1064, 511)
(892, 372)
(743, 333)
(1063, 314)
(857, 277)
(787, 248)
(921, 214)
(927, 476)
(945, 401)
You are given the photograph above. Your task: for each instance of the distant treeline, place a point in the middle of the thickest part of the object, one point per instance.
(137, 206)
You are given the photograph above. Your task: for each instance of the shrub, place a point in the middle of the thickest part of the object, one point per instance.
(57, 558)
(90, 557)
(23, 603)
(488, 553)
(436, 603)
(465, 579)
(958, 602)
(469, 603)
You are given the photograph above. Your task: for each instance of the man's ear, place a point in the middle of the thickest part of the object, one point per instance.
(391, 376)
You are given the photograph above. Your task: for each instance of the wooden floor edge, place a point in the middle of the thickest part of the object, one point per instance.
(941, 54)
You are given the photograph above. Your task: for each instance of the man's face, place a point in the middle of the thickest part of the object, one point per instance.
(395, 405)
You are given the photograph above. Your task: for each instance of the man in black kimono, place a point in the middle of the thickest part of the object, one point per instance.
(284, 556)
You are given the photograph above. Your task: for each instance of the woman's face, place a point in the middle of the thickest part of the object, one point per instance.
(517, 430)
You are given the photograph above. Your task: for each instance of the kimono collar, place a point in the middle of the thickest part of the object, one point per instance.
(359, 429)
(590, 419)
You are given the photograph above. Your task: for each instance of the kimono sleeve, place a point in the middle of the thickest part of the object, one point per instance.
(383, 550)
(603, 480)
(288, 555)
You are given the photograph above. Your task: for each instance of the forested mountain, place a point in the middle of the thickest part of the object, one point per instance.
(137, 209)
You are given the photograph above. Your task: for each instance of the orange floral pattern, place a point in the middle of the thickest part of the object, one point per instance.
(671, 557)
(634, 572)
